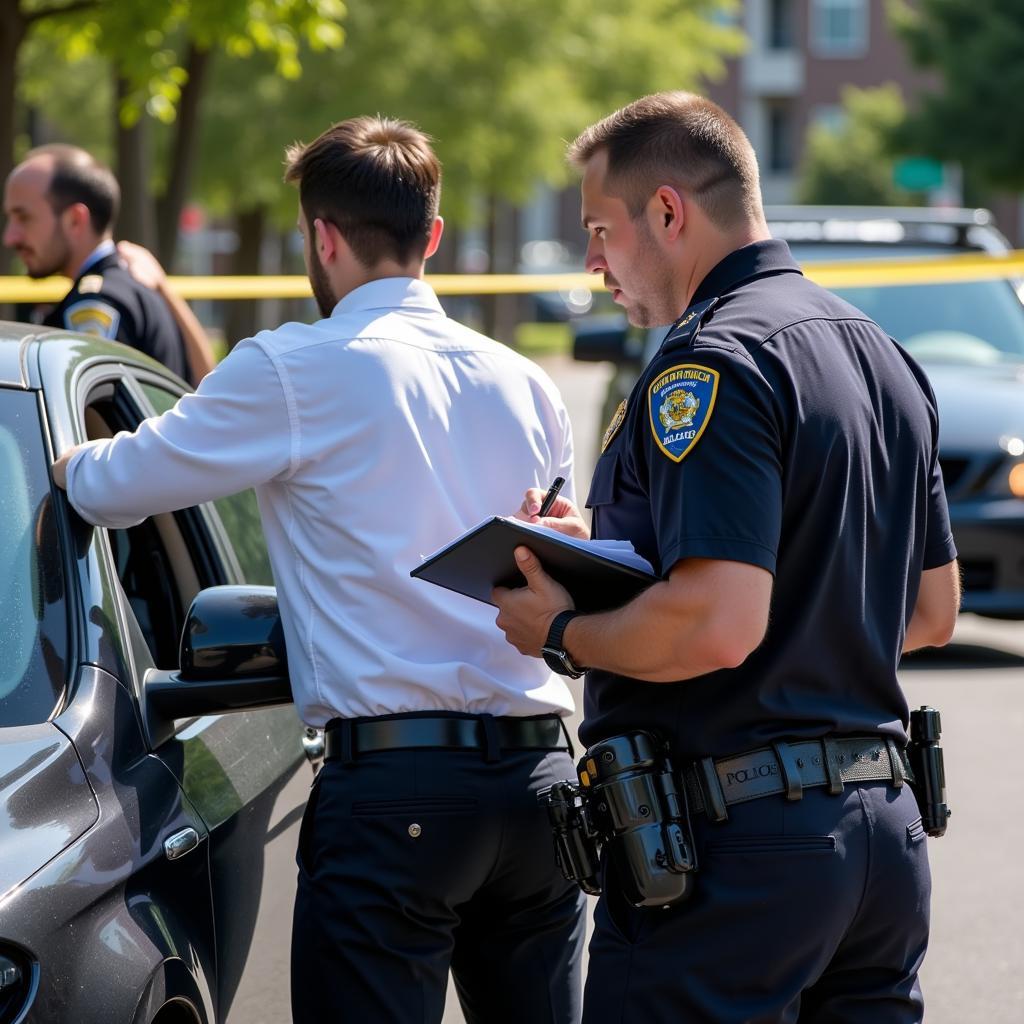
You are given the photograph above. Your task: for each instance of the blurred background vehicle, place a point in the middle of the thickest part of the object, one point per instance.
(147, 838)
(969, 337)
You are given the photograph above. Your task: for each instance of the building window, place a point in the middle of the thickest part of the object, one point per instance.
(779, 118)
(839, 28)
(780, 25)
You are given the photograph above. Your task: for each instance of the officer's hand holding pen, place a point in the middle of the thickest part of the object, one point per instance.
(562, 515)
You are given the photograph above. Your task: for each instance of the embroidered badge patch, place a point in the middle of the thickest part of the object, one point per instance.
(613, 427)
(680, 401)
(91, 316)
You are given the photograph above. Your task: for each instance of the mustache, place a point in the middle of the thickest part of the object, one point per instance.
(610, 282)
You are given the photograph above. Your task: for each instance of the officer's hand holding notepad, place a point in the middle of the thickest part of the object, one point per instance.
(599, 574)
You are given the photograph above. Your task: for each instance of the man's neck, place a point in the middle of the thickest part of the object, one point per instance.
(380, 272)
(88, 255)
(711, 254)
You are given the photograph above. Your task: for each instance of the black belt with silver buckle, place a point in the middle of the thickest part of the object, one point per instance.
(712, 784)
(346, 738)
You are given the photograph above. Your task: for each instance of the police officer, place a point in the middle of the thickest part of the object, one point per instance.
(61, 205)
(777, 464)
(374, 437)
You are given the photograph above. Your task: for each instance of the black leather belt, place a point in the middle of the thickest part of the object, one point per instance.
(789, 768)
(345, 738)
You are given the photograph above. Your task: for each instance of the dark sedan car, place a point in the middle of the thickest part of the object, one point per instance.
(968, 336)
(146, 837)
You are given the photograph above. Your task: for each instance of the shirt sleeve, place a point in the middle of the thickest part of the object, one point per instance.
(236, 431)
(711, 445)
(939, 548)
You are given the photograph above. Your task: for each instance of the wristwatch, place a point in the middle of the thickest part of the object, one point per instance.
(557, 657)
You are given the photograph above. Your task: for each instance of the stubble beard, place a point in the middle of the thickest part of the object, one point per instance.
(53, 260)
(322, 292)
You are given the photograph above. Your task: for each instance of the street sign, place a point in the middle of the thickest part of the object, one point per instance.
(918, 173)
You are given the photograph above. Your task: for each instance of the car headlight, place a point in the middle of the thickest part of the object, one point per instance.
(1015, 480)
(19, 979)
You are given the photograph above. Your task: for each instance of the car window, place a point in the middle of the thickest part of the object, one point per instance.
(239, 513)
(33, 614)
(966, 322)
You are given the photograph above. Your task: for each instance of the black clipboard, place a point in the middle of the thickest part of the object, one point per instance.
(483, 558)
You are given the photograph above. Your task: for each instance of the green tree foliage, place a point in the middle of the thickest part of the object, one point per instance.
(499, 86)
(977, 115)
(853, 163)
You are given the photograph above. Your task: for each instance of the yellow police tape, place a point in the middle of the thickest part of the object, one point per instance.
(839, 274)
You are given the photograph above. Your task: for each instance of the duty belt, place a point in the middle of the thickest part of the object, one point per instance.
(789, 768)
(344, 738)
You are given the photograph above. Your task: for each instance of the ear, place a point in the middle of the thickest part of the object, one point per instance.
(668, 212)
(325, 241)
(76, 217)
(436, 230)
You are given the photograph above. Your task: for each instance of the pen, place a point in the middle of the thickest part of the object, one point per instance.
(549, 498)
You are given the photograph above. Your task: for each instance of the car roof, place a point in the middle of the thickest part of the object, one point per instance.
(18, 339)
(938, 227)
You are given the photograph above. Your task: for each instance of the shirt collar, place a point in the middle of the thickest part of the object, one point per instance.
(771, 256)
(102, 251)
(390, 293)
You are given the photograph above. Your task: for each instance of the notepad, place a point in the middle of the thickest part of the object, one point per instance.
(598, 574)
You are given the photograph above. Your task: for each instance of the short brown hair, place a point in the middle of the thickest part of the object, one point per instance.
(78, 177)
(376, 179)
(682, 139)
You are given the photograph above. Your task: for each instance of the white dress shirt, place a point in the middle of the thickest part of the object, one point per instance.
(372, 437)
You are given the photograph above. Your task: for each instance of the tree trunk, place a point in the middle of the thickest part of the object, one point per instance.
(12, 34)
(183, 154)
(500, 311)
(137, 222)
(250, 225)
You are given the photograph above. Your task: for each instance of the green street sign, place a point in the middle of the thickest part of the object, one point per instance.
(918, 173)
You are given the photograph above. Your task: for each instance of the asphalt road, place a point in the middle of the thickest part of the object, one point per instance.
(973, 970)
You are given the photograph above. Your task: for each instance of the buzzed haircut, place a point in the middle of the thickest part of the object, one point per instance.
(678, 139)
(377, 180)
(78, 177)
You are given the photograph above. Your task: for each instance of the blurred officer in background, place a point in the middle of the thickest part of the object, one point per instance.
(777, 464)
(61, 205)
(374, 437)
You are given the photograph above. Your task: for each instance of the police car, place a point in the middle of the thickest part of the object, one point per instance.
(147, 837)
(969, 337)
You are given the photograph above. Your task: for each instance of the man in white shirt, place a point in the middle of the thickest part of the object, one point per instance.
(373, 437)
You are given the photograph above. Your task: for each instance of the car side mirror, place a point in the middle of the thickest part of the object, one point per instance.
(232, 657)
(601, 339)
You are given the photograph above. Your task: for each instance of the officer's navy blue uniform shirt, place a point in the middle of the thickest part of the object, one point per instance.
(780, 427)
(107, 301)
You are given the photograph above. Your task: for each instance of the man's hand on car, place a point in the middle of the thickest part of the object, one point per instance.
(60, 468)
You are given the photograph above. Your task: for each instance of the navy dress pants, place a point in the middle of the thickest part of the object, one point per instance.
(412, 862)
(810, 911)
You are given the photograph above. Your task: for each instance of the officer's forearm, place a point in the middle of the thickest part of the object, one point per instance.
(198, 351)
(708, 615)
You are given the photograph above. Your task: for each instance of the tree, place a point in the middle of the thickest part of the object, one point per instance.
(498, 86)
(853, 163)
(977, 116)
(160, 54)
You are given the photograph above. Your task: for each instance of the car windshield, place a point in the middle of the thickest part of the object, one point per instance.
(33, 625)
(967, 322)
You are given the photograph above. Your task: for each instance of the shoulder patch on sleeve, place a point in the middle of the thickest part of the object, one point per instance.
(92, 316)
(680, 400)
